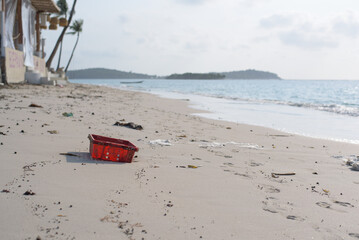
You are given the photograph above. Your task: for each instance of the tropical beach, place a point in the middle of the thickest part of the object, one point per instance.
(180, 119)
(192, 178)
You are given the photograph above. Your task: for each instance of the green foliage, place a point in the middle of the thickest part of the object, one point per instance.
(103, 73)
(64, 8)
(250, 74)
(76, 27)
(196, 76)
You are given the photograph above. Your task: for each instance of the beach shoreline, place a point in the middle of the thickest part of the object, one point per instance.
(310, 114)
(231, 194)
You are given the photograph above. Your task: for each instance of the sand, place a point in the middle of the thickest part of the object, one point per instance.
(230, 195)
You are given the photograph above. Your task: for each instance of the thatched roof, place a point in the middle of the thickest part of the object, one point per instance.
(45, 6)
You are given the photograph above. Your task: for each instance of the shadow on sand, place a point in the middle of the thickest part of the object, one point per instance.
(85, 157)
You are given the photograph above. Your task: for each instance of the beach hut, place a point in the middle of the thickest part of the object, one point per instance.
(22, 48)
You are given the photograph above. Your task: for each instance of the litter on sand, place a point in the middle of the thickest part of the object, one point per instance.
(220, 145)
(53, 131)
(66, 114)
(276, 175)
(35, 105)
(352, 161)
(111, 149)
(161, 142)
(129, 125)
(192, 166)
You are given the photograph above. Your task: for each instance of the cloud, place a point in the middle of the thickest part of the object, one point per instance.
(123, 18)
(252, 3)
(191, 2)
(346, 25)
(276, 20)
(306, 40)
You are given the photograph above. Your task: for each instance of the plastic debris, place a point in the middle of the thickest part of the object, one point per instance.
(352, 161)
(53, 132)
(220, 145)
(35, 105)
(355, 166)
(192, 166)
(276, 175)
(161, 142)
(29, 192)
(129, 125)
(325, 190)
(111, 149)
(66, 114)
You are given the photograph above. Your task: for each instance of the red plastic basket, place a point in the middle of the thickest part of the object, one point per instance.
(111, 149)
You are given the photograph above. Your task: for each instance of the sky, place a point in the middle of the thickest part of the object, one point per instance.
(297, 39)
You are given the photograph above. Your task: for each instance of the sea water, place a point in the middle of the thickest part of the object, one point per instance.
(327, 109)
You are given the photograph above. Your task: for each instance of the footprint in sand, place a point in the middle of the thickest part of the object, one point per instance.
(255, 164)
(323, 204)
(228, 164)
(297, 218)
(344, 204)
(273, 206)
(354, 235)
(269, 188)
(242, 175)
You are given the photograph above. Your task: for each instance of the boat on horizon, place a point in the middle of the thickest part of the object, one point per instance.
(132, 82)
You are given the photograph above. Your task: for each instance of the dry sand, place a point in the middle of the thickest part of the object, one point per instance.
(231, 195)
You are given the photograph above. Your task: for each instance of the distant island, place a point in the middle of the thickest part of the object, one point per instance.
(103, 73)
(250, 74)
(196, 76)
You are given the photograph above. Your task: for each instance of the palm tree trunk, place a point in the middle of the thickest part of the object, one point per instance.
(59, 40)
(73, 50)
(58, 63)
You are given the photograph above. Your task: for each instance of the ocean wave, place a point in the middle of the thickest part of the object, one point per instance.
(332, 108)
(344, 109)
(341, 109)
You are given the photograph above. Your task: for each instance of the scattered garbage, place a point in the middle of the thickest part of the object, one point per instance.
(161, 142)
(35, 105)
(352, 161)
(220, 145)
(192, 166)
(129, 125)
(355, 166)
(276, 175)
(29, 192)
(5, 191)
(188, 166)
(111, 149)
(53, 131)
(66, 114)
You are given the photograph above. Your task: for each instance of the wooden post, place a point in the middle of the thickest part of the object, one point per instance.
(38, 32)
(19, 20)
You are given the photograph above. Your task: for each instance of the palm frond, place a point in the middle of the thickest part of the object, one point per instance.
(76, 26)
(64, 8)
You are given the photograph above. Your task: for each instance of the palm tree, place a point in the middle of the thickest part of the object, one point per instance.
(76, 28)
(49, 61)
(64, 8)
